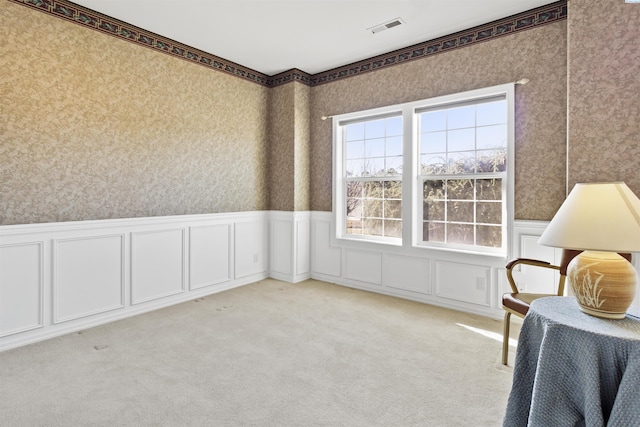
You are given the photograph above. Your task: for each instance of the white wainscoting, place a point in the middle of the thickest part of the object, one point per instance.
(290, 246)
(63, 277)
(88, 276)
(21, 287)
(466, 282)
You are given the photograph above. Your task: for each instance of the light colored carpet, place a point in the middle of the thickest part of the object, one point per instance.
(266, 354)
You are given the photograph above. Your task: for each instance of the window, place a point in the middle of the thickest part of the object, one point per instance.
(437, 172)
(373, 177)
(463, 164)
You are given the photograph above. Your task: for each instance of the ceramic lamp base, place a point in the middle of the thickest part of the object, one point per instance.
(604, 283)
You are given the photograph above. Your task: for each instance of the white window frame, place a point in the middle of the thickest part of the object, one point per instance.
(411, 178)
(371, 115)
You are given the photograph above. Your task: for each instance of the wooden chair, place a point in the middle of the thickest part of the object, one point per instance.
(516, 302)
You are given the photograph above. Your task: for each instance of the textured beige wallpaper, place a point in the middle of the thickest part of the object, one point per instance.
(604, 92)
(94, 127)
(282, 147)
(538, 54)
(302, 100)
(289, 147)
(101, 128)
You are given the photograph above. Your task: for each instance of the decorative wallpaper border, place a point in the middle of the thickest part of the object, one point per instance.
(91, 19)
(522, 21)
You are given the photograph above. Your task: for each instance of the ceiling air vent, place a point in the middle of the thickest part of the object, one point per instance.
(386, 25)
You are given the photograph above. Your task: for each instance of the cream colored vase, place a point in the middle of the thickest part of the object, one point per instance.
(604, 283)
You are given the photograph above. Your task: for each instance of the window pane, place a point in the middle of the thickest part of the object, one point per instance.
(434, 164)
(354, 208)
(392, 189)
(434, 189)
(463, 162)
(374, 167)
(490, 113)
(460, 211)
(433, 121)
(394, 126)
(353, 204)
(354, 168)
(372, 227)
(354, 226)
(489, 212)
(460, 233)
(373, 208)
(433, 206)
(374, 129)
(394, 146)
(355, 149)
(433, 142)
(374, 148)
(394, 165)
(491, 137)
(433, 231)
(373, 190)
(433, 210)
(489, 189)
(462, 117)
(354, 189)
(355, 131)
(461, 140)
(492, 160)
(393, 209)
(461, 189)
(393, 228)
(489, 235)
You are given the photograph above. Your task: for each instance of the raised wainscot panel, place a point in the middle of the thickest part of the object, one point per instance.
(303, 234)
(325, 258)
(463, 282)
(209, 255)
(281, 247)
(407, 273)
(157, 264)
(21, 287)
(363, 266)
(250, 245)
(88, 276)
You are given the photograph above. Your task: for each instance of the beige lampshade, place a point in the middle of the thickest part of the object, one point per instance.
(596, 217)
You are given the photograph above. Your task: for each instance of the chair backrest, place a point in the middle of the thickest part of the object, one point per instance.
(567, 256)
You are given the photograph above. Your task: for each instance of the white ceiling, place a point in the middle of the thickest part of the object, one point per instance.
(272, 36)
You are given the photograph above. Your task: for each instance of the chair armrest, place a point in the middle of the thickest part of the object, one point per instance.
(529, 261)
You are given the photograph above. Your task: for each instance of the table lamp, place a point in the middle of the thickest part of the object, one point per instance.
(603, 220)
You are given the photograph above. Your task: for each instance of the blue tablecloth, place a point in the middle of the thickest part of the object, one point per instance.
(573, 369)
